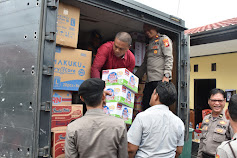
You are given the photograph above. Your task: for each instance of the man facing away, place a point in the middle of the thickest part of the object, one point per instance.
(228, 149)
(96, 134)
(215, 126)
(157, 132)
(114, 54)
(157, 64)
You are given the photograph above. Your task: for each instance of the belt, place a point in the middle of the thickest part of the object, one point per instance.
(206, 155)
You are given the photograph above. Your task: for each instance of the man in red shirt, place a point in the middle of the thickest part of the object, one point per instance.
(113, 55)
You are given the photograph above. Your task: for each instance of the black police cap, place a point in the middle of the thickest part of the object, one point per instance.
(91, 86)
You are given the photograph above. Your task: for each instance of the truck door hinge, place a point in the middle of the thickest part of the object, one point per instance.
(50, 36)
(52, 4)
(45, 106)
(184, 63)
(184, 105)
(48, 70)
(183, 84)
(44, 152)
(184, 42)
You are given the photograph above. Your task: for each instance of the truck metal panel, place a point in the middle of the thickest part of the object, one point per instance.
(23, 51)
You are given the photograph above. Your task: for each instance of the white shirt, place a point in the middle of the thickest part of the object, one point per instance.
(157, 132)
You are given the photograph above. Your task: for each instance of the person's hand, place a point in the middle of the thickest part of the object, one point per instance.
(165, 79)
(106, 93)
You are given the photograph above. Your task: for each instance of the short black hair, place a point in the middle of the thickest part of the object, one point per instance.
(233, 107)
(167, 92)
(92, 91)
(93, 100)
(215, 91)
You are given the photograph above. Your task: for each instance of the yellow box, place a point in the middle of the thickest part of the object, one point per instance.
(71, 68)
(67, 25)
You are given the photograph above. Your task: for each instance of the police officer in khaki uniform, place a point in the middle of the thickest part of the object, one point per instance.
(228, 149)
(157, 64)
(215, 126)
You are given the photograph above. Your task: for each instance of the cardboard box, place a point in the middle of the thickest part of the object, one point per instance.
(140, 51)
(121, 94)
(121, 76)
(71, 68)
(58, 144)
(62, 115)
(119, 110)
(62, 98)
(138, 102)
(67, 25)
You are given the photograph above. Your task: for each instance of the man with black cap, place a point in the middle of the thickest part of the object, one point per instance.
(96, 134)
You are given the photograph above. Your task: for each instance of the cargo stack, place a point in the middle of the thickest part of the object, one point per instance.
(71, 68)
(122, 84)
(138, 97)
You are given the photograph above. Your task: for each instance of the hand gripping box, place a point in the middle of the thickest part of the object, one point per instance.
(71, 68)
(121, 76)
(58, 144)
(62, 98)
(67, 25)
(119, 110)
(121, 94)
(62, 115)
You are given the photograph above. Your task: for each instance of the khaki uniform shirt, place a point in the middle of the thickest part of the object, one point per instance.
(96, 135)
(158, 59)
(224, 150)
(214, 132)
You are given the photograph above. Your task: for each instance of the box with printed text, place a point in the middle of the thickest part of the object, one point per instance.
(121, 94)
(71, 68)
(119, 110)
(67, 25)
(58, 144)
(62, 98)
(121, 76)
(62, 115)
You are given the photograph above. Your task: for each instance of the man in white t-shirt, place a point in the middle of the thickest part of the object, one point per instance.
(157, 132)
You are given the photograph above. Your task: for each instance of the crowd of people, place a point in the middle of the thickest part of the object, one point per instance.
(156, 132)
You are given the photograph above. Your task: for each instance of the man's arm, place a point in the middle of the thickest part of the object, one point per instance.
(167, 50)
(132, 149)
(179, 150)
(134, 136)
(123, 145)
(70, 146)
(99, 61)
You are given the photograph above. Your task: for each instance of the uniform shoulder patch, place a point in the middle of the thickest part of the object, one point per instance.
(166, 42)
(217, 156)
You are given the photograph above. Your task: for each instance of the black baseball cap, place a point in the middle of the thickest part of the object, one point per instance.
(91, 86)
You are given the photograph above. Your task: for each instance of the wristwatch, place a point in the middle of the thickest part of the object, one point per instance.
(167, 75)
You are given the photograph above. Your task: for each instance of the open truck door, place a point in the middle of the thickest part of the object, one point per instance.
(27, 46)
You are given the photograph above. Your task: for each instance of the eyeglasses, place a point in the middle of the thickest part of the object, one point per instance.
(220, 101)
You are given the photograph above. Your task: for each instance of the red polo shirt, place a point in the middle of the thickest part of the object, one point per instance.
(105, 59)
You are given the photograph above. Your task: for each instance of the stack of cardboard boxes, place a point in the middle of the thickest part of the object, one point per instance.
(122, 84)
(71, 68)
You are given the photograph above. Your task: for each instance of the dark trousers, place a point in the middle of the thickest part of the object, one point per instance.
(205, 155)
(147, 92)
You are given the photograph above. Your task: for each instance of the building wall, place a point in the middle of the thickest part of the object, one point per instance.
(225, 74)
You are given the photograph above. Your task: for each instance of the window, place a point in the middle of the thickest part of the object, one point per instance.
(213, 67)
(195, 68)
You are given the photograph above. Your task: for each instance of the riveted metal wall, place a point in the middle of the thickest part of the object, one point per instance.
(21, 58)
